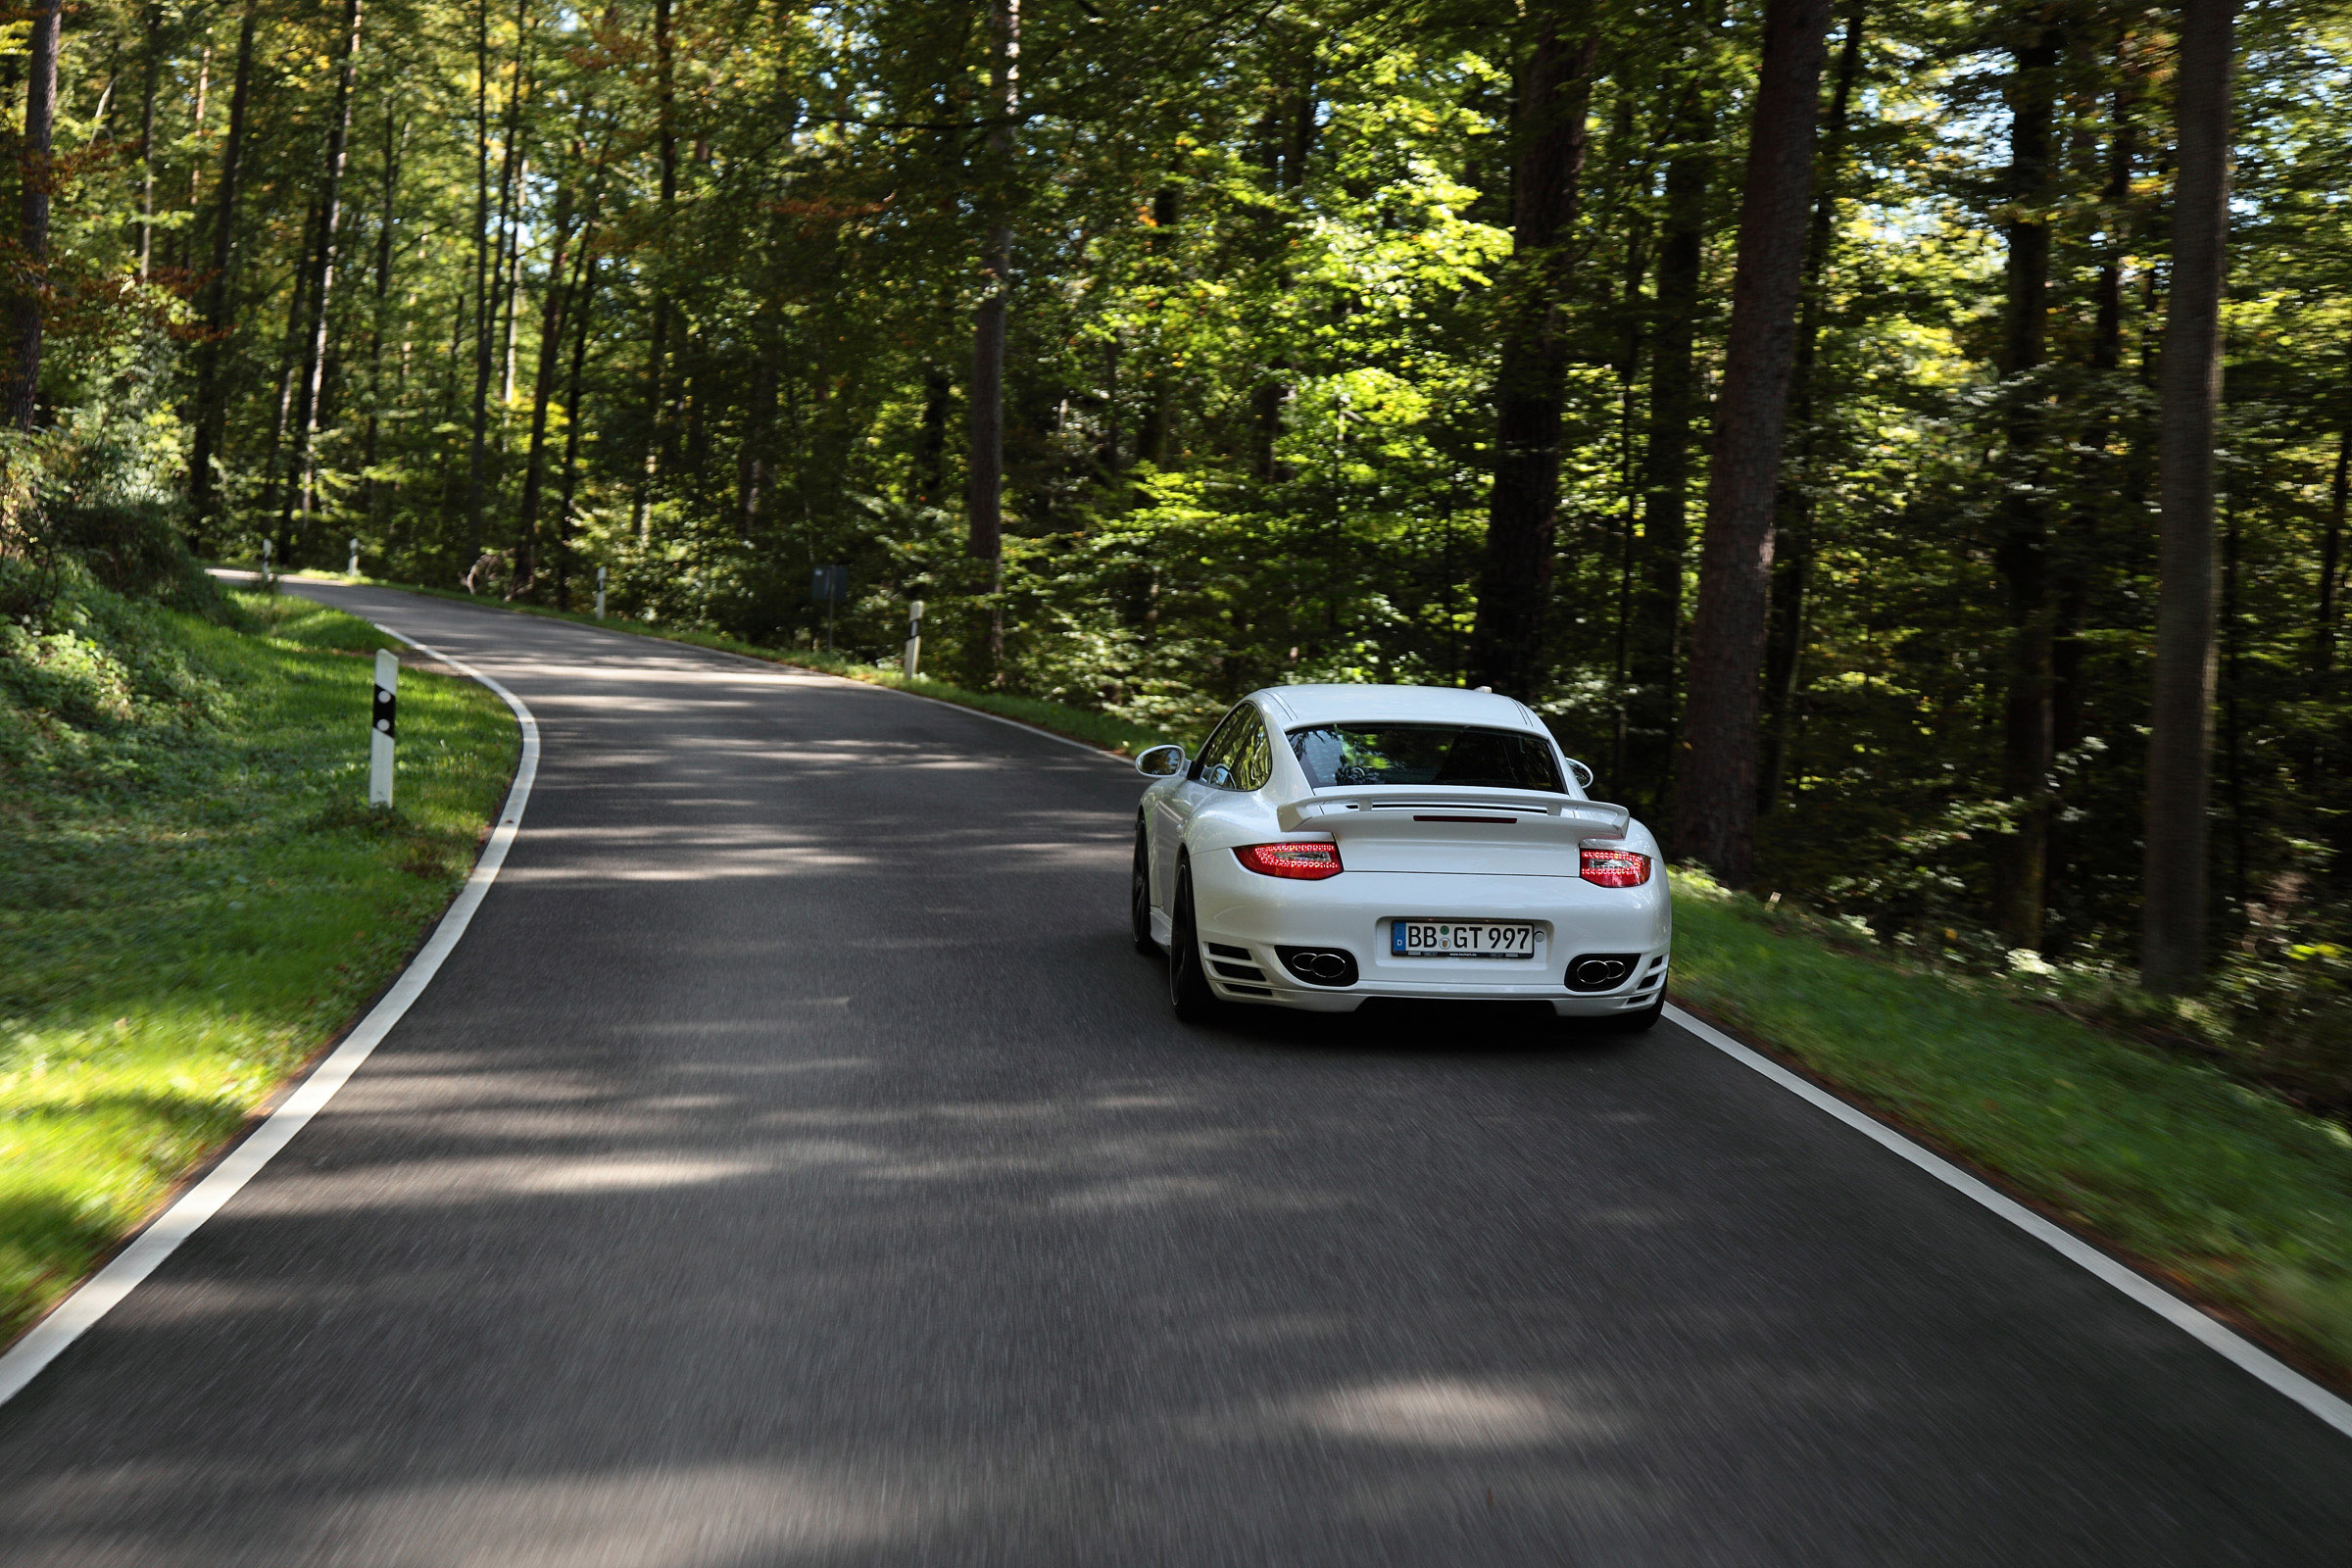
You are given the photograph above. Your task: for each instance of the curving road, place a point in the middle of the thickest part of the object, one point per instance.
(794, 1165)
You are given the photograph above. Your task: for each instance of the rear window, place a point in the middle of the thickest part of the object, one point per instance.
(1425, 754)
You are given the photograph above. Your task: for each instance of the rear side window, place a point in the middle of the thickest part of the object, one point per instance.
(1238, 757)
(1254, 757)
(1216, 751)
(1425, 754)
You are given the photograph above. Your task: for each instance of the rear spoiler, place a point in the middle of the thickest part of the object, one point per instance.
(1326, 810)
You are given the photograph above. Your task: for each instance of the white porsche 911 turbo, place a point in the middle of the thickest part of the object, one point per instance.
(1332, 845)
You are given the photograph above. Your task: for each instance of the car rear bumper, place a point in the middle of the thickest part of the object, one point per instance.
(1246, 914)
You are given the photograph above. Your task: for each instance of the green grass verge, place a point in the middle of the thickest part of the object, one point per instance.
(2244, 1201)
(194, 898)
(1078, 723)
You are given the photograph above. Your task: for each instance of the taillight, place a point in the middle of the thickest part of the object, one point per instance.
(1613, 868)
(1301, 863)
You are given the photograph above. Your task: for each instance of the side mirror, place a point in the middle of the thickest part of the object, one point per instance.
(1160, 761)
(1584, 774)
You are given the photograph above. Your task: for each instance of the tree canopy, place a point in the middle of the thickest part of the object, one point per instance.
(1333, 341)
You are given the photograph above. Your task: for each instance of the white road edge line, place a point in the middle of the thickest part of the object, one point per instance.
(79, 1313)
(2239, 1351)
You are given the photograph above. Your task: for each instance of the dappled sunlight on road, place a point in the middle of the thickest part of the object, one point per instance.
(682, 1515)
(1445, 1414)
(796, 1164)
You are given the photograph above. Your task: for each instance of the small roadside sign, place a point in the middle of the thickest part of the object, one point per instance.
(383, 727)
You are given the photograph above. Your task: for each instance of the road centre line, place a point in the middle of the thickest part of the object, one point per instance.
(2233, 1348)
(79, 1313)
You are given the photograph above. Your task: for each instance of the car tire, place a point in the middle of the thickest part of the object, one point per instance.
(1189, 993)
(1139, 894)
(1637, 1022)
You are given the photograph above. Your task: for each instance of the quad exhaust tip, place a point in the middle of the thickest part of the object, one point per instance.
(1319, 966)
(1600, 971)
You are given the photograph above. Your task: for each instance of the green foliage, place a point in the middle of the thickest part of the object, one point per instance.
(1257, 257)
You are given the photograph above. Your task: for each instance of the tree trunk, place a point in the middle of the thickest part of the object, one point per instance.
(931, 448)
(2181, 712)
(493, 284)
(1715, 794)
(1265, 426)
(750, 459)
(1514, 586)
(1624, 134)
(657, 349)
(154, 52)
(212, 413)
(1655, 639)
(2234, 771)
(987, 535)
(509, 307)
(543, 385)
(289, 361)
(302, 496)
(513, 308)
(2076, 550)
(1293, 138)
(2331, 554)
(565, 512)
(482, 281)
(386, 227)
(34, 174)
(179, 246)
(1794, 506)
(1154, 432)
(2019, 857)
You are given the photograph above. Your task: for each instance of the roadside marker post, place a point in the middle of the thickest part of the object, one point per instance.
(914, 639)
(267, 575)
(600, 593)
(384, 726)
(353, 571)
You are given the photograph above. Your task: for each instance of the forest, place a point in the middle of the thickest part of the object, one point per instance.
(1903, 446)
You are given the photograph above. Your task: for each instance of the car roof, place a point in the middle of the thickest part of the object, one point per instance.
(1435, 705)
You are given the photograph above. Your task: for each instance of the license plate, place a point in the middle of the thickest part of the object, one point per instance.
(1461, 939)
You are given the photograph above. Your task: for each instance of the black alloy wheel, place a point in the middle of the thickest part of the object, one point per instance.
(1139, 893)
(1188, 982)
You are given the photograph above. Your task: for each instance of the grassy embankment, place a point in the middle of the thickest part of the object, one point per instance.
(194, 897)
(2244, 1201)
(1078, 723)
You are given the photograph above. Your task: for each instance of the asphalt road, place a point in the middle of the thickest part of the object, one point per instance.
(794, 1164)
